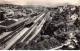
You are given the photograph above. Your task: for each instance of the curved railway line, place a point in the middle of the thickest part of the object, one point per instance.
(25, 34)
(22, 33)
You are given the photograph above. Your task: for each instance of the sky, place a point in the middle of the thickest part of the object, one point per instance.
(41, 2)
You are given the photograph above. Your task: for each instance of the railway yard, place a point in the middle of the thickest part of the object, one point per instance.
(40, 29)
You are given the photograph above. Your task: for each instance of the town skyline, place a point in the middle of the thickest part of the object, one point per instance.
(41, 2)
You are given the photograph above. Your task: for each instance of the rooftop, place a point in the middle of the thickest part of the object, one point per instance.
(1, 10)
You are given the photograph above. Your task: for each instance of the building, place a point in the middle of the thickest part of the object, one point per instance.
(60, 9)
(1, 15)
(79, 11)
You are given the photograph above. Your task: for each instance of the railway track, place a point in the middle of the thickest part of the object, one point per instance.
(37, 30)
(7, 37)
(18, 35)
(4, 36)
(34, 31)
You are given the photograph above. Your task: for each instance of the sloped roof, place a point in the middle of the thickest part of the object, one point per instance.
(1, 10)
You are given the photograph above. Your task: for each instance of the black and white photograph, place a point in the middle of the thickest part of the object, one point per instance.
(39, 24)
